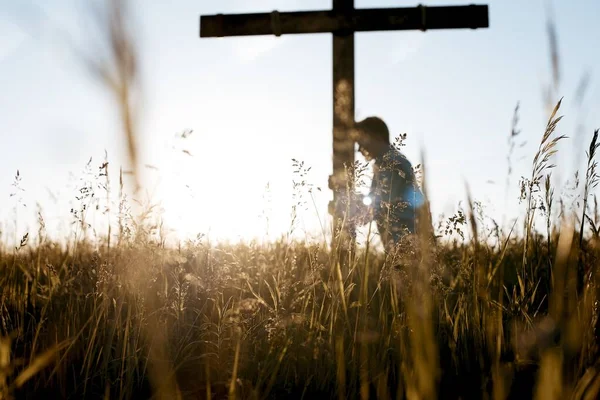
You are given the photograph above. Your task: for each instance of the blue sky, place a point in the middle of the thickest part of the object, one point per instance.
(256, 103)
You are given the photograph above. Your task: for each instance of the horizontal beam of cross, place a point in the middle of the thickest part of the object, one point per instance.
(356, 20)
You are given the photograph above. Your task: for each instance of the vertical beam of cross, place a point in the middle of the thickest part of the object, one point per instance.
(343, 121)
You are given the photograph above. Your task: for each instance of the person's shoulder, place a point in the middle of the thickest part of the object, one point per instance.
(396, 157)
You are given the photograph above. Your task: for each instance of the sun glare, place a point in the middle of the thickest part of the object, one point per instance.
(224, 198)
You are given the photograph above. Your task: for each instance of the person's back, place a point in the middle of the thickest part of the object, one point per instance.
(395, 194)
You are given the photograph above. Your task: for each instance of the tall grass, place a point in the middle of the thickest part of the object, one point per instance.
(438, 318)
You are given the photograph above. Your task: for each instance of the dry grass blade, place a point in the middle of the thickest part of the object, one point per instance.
(540, 166)
(588, 387)
(514, 132)
(582, 87)
(119, 71)
(5, 364)
(591, 180)
(549, 200)
(554, 53)
(553, 87)
(39, 363)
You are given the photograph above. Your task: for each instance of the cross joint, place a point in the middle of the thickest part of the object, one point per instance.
(276, 23)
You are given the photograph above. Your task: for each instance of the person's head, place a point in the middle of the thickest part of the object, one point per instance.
(373, 137)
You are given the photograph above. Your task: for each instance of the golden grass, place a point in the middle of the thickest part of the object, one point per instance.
(440, 319)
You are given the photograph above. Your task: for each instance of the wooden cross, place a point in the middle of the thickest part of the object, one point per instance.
(343, 21)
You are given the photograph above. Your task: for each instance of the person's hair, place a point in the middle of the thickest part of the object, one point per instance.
(374, 128)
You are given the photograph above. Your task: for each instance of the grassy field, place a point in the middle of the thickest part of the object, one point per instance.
(462, 311)
(495, 315)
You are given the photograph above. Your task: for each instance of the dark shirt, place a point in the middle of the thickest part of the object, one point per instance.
(395, 195)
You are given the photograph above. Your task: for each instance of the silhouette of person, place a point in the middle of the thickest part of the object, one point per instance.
(395, 197)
